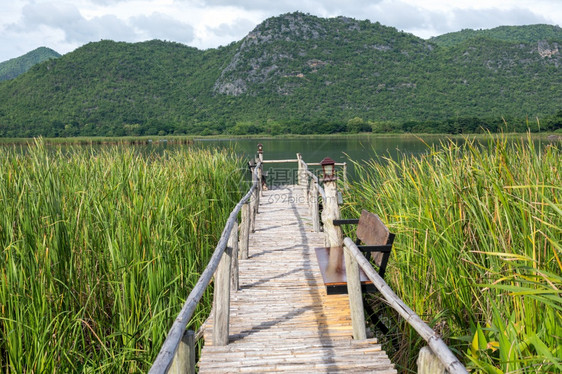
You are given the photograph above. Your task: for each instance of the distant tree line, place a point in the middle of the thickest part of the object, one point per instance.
(307, 126)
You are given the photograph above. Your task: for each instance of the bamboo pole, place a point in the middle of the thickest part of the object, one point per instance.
(184, 359)
(279, 161)
(331, 211)
(345, 186)
(259, 189)
(260, 173)
(428, 363)
(254, 202)
(234, 273)
(355, 297)
(314, 202)
(319, 164)
(221, 300)
(302, 169)
(245, 231)
(438, 347)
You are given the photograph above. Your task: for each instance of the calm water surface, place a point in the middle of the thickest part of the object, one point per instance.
(341, 149)
(313, 150)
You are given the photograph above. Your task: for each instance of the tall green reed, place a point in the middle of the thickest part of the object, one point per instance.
(100, 248)
(478, 248)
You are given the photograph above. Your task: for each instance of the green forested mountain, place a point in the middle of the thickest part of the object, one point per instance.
(293, 73)
(514, 34)
(16, 66)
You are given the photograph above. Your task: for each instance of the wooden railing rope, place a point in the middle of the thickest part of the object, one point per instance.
(165, 357)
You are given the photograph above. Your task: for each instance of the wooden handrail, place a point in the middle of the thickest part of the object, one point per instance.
(166, 355)
(437, 345)
(315, 179)
(279, 161)
(319, 164)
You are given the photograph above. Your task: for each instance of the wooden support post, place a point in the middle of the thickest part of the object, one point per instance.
(314, 204)
(184, 359)
(331, 211)
(301, 176)
(345, 186)
(355, 297)
(260, 176)
(253, 205)
(245, 231)
(428, 363)
(222, 299)
(437, 345)
(233, 244)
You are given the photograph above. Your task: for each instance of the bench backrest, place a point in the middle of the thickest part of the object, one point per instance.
(372, 231)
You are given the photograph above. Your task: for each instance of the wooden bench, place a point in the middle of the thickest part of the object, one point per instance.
(376, 239)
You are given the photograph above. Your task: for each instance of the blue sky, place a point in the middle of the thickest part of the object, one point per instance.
(65, 25)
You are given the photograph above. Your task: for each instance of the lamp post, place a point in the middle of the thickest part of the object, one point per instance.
(333, 234)
(331, 211)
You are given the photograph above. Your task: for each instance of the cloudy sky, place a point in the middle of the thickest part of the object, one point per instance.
(65, 25)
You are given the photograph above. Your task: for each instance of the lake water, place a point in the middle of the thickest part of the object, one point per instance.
(312, 150)
(340, 149)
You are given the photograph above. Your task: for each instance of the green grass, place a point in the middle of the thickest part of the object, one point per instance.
(100, 248)
(478, 250)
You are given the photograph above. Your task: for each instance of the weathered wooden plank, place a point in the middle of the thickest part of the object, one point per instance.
(281, 319)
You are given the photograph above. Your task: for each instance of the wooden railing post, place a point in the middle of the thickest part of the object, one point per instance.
(355, 297)
(437, 345)
(253, 204)
(245, 231)
(301, 173)
(233, 243)
(331, 211)
(345, 186)
(184, 359)
(314, 204)
(260, 176)
(309, 195)
(222, 299)
(428, 363)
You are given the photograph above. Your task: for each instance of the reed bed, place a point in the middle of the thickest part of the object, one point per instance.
(100, 248)
(478, 250)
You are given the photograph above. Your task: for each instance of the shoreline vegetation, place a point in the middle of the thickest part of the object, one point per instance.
(182, 139)
(100, 249)
(478, 249)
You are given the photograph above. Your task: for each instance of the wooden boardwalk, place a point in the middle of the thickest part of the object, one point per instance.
(281, 319)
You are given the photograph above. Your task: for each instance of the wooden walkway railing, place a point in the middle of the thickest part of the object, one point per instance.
(177, 354)
(178, 337)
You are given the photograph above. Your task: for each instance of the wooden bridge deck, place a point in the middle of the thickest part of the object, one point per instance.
(281, 319)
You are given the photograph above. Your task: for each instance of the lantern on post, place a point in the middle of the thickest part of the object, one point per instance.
(328, 167)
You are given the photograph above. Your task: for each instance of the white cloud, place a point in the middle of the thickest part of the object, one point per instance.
(67, 24)
(162, 26)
